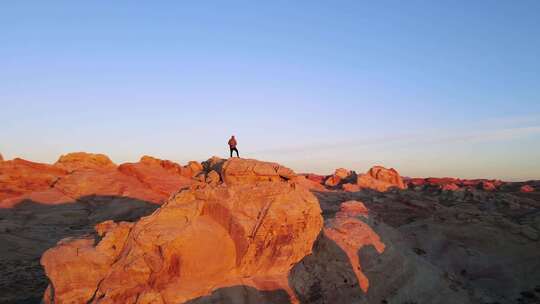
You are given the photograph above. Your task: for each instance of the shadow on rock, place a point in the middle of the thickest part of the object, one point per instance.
(326, 276)
(30, 228)
(243, 295)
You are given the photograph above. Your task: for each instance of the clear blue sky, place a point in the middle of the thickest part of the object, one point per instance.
(432, 88)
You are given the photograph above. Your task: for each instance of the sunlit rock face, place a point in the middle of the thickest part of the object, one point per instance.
(238, 171)
(83, 160)
(248, 231)
(340, 176)
(161, 176)
(380, 179)
(21, 179)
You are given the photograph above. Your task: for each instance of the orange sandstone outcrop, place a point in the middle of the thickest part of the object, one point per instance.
(381, 179)
(340, 176)
(81, 174)
(162, 176)
(247, 231)
(20, 177)
(237, 170)
(83, 160)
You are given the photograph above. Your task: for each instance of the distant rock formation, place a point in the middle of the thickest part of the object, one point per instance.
(83, 160)
(248, 231)
(82, 174)
(453, 184)
(381, 179)
(340, 176)
(1, 157)
(526, 189)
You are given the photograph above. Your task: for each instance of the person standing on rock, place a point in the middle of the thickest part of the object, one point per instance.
(232, 146)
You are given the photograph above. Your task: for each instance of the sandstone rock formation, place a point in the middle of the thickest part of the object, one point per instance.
(341, 175)
(82, 174)
(237, 171)
(161, 176)
(249, 231)
(381, 179)
(1, 157)
(454, 184)
(24, 179)
(83, 160)
(245, 231)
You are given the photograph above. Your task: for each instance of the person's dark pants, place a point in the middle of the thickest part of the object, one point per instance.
(234, 149)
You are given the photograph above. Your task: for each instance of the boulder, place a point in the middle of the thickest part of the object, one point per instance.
(238, 171)
(342, 173)
(381, 179)
(83, 160)
(332, 181)
(340, 176)
(247, 232)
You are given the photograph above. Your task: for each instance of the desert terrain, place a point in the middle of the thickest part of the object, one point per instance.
(87, 230)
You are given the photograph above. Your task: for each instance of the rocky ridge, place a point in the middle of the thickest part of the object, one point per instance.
(245, 231)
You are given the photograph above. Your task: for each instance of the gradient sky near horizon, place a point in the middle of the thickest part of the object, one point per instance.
(432, 88)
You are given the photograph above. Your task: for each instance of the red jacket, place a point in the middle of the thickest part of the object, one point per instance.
(232, 143)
